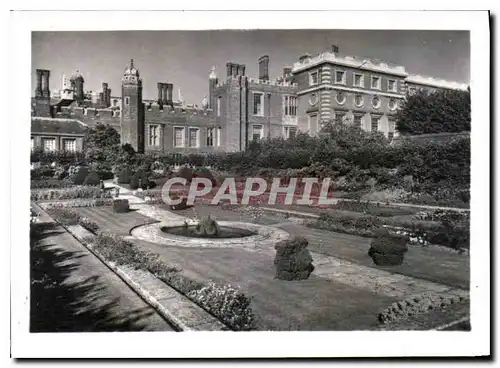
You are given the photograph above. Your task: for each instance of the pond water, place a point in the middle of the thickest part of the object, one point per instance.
(224, 232)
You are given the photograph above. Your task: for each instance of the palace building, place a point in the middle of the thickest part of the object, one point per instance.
(237, 108)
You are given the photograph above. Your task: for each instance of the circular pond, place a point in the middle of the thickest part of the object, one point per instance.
(225, 232)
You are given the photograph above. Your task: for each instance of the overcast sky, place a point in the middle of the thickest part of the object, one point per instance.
(185, 58)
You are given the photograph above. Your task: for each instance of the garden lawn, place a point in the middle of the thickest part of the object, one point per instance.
(313, 304)
(111, 222)
(433, 264)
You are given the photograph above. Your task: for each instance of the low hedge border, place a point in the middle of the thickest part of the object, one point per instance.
(78, 203)
(419, 304)
(225, 302)
(68, 217)
(75, 192)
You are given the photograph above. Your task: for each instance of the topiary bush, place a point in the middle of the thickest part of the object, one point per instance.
(121, 205)
(181, 206)
(207, 174)
(92, 179)
(186, 173)
(80, 175)
(293, 261)
(142, 178)
(125, 175)
(388, 249)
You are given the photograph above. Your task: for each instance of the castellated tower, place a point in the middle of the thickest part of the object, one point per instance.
(212, 84)
(132, 114)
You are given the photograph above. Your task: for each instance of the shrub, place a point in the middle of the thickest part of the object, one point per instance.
(92, 179)
(181, 206)
(293, 261)
(80, 175)
(372, 209)
(227, 303)
(121, 205)
(388, 249)
(186, 173)
(141, 177)
(43, 172)
(205, 173)
(80, 203)
(125, 175)
(70, 193)
(50, 183)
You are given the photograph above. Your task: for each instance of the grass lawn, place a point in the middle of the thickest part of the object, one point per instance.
(116, 223)
(313, 304)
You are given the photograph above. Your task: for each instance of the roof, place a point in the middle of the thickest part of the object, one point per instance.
(57, 126)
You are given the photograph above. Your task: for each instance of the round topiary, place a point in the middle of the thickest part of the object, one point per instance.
(80, 175)
(92, 179)
(293, 261)
(142, 178)
(388, 249)
(186, 173)
(205, 173)
(125, 175)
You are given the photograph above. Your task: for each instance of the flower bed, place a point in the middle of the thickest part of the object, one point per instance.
(70, 193)
(51, 183)
(371, 209)
(67, 217)
(79, 203)
(223, 301)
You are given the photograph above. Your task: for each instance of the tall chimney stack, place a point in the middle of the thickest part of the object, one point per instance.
(335, 49)
(264, 67)
(160, 92)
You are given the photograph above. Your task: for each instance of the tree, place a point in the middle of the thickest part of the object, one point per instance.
(101, 143)
(438, 112)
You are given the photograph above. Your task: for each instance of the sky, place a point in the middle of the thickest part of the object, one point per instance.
(185, 58)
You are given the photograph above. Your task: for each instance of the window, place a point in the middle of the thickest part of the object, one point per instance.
(219, 102)
(375, 120)
(290, 106)
(391, 85)
(194, 137)
(339, 117)
(154, 135)
(358, 100)
(127, 101)
(178, 137)
(392, 105)
(392, 128)
(313, 78)
(32, 144)
(376, 102)
(313, 123)
(257, 132)
(219, 136)
(49, 144)
(69, 145)
(258, 104)
(290, 132)
(375, 82)
(340, 77)
(340, 98)
(210, 137)
(358, 120)
(359, 80)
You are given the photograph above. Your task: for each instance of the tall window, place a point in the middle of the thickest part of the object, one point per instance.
(290, 132)
(391, 85)
(194, 137)
(210, 137)
(258, 104)
(32, 144)
(127, 100)
(49, 144)
(375, 120)
(340, 77)
(154, 135)
(178, 137)
(69, 145)
(219, 102)
(219, 136)
(358, 80)
(357, 121)
(257, 132)
(290, 105)
(376, 82)
(392, 128)
(313, 78)
(313, 123)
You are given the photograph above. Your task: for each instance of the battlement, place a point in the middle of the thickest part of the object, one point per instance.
(307, 62)
(256, 81)
(154, 110)
(435, 82)
(111, 116)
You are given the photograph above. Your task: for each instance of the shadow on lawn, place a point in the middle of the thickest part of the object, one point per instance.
(58, 305)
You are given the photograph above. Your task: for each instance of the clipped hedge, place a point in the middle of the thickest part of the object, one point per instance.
(50, 184)
(142, 178)
(121, 206)
(80, 175)
(70, 193)
(293, 261)
(388, 249)
(92, 179)
(68, 217)
(125, 175)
